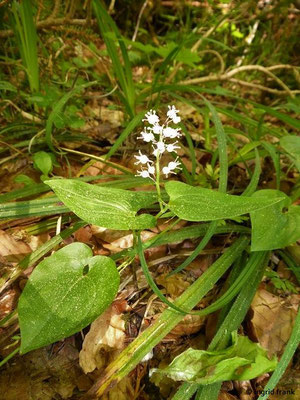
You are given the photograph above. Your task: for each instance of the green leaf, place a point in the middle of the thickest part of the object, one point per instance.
(25, 180)
(4, 85)
(200, 204)
(65, 293)
(43, 161)
(242, 361)
(291, 144)
(271, 227)
(107, 207)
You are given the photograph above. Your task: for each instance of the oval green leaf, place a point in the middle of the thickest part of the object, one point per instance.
(108, 207)
(64, 294)
(200, 204)
(273, 228)
(43, 161)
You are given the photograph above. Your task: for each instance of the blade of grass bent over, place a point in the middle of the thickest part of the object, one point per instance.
(144, 343)
(231, 322)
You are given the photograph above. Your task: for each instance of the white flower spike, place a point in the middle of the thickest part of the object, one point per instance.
(142, 159)
(151, 117)
(160, 136)
(172, 114)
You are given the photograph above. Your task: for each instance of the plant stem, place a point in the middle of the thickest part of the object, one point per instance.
(157, 172)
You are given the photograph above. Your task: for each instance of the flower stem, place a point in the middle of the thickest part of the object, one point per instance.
(157, 172)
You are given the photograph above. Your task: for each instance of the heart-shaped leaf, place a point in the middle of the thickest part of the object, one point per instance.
(199, 204)
(108, 207)
(273, 228)
(65, 293)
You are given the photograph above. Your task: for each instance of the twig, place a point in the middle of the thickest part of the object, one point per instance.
(264, 88)
(230, 74)
(24, 114)
(139, 20)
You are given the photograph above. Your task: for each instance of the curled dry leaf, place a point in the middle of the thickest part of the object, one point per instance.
(107, 333)
(272, 319)
(188, 326)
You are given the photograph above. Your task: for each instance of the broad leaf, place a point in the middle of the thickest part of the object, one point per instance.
(291, 144)
(102, 206)
(275, 226)
(242, 361)
(42, 161)
(199, 204)
(65, 293)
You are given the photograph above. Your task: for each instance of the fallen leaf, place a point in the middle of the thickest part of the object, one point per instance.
(272, 320)
(107, 333)
(42, 374)
(14, 250)
(226, 396)
(188, 326)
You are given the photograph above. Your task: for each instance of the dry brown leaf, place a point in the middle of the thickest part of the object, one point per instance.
(107, 333)
(245, 390)
(123, 391)
(272, 319)
(126, 241)
(14, 250)
(8, 301)
(188, 326)
(226, 396)
(41, 374)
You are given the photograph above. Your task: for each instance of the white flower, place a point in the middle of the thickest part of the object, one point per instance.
(151, 117)
(173, 165)
(172, 114)
(147, 136)
(143, 173)
(160, 148)
(171, 133)
(171, 147)
(170, 168)
(146, 173)
(166, 171)
(151, 169)
(142, 159)
(157, 129)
